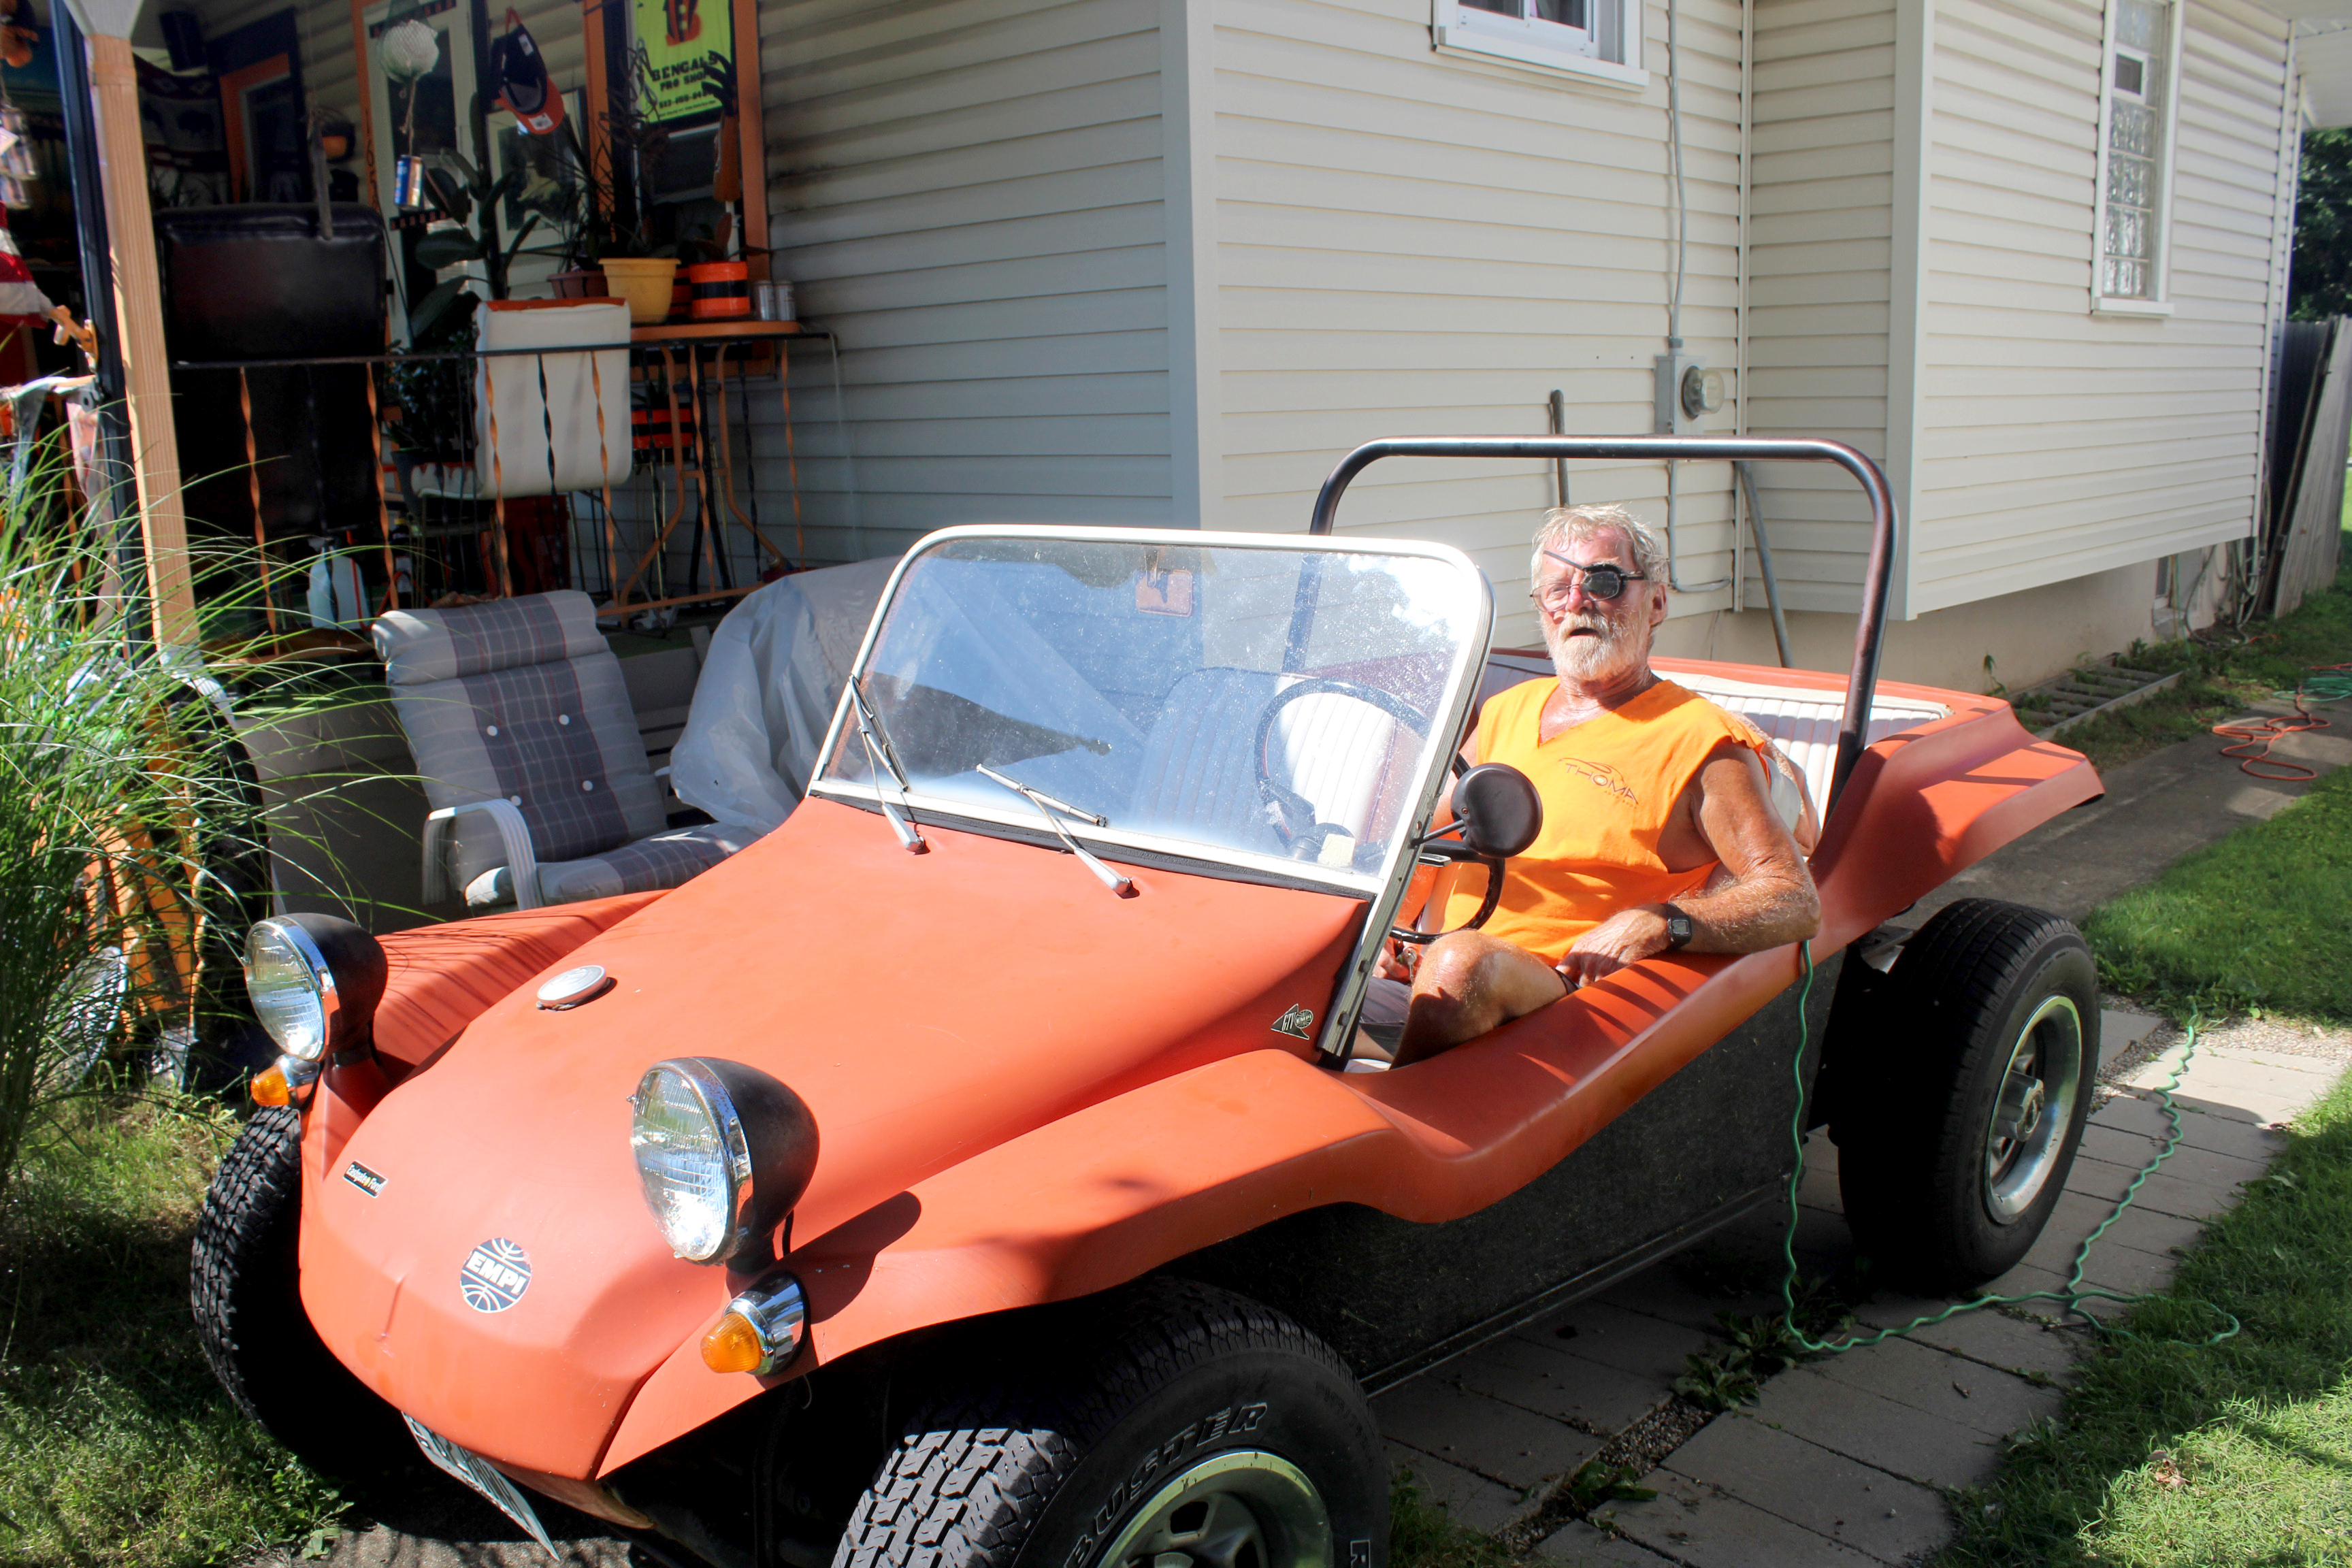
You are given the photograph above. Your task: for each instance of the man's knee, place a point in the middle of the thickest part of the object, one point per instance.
(1462, 987)
(1456, 964)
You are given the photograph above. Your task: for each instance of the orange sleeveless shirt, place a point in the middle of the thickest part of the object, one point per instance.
(1609, 787)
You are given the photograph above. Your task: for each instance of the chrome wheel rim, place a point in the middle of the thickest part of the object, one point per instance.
(1246, 1509)
(2033, 1108)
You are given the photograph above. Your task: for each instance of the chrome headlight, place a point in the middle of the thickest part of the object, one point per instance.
(314, 980)
(723, 1151)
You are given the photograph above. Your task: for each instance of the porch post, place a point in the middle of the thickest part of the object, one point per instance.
(138, 314)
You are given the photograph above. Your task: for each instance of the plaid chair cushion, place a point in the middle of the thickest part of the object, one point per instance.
(665, 860)
(521, 698)
(419, 646)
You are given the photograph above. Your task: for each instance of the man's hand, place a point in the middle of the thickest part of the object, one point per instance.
(1396, 962)
(1760, 896)
(1626, 937)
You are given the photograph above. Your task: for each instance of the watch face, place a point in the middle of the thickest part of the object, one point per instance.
(1678, 930)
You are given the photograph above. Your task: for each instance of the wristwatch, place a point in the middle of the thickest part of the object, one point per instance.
(1679, 930)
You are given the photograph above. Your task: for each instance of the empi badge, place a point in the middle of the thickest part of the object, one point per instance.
(495, 1275)
(1295, 1022)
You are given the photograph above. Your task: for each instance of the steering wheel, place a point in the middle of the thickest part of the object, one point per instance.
(1289, 813)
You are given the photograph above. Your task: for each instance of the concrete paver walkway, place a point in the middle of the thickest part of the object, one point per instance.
(1845, 1459)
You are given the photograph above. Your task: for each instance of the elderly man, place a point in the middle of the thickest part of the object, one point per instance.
(1659, 829)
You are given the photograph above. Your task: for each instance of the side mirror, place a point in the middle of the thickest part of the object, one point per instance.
(1501, 812)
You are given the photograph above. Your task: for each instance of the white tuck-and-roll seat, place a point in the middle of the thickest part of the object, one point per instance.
(1200, 767)
(1346, 757)
(1802, 720)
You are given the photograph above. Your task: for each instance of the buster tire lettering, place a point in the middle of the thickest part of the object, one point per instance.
(1204, 1432)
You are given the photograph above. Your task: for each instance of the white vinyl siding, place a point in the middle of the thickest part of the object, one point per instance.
(1381, 239)
(971, 197)
(1818, 285)
(1413, 244)
(2055, 442)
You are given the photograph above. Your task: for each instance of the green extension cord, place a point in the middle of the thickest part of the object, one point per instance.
(2072, 1295)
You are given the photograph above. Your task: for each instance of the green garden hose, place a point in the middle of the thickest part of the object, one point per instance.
(2072, 1295)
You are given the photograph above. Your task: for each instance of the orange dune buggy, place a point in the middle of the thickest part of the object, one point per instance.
(972, 1171)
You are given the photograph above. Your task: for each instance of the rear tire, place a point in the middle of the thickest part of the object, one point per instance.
(1165, 1417)
(248, 1309)
(1965, 1096)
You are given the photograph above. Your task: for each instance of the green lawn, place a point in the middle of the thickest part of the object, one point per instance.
(2239, 1455)
(2220, 677)
(117, 1447)
(2261, 920)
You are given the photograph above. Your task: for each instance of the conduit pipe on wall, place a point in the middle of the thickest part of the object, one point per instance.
(1675, 305)
(1764, 563)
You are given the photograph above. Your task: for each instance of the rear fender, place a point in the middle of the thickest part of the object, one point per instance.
(1928, 803)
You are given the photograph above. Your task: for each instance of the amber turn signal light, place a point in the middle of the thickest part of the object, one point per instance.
(733, 1345)
(270, 1088)
(760, 1330)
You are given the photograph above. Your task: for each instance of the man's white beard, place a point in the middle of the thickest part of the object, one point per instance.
(1587, 659)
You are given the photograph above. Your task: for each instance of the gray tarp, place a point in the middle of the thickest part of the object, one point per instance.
(767, 691)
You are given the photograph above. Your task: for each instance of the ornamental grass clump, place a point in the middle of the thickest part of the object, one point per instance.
(126, 825)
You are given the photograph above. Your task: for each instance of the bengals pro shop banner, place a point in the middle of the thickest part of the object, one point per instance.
(681, 37)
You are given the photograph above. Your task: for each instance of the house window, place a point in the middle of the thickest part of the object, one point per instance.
(1597, 38)
(2143, 69)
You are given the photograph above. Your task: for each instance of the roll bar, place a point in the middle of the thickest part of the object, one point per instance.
(1855, 727)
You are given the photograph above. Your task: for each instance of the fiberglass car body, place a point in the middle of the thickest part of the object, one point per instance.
(994, 1113)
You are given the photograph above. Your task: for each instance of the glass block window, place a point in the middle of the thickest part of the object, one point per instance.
(1560, 33)
(2135, 152)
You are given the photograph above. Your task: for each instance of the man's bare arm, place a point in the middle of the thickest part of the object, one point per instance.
(1770, 897)
(1763, 897)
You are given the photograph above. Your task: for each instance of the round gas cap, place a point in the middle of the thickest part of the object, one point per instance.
(574, 986)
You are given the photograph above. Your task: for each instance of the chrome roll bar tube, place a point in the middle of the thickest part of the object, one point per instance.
(1854, 728)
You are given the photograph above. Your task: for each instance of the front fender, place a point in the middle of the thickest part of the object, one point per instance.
(443, 977)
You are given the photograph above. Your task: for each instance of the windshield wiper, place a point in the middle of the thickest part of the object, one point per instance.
(882, 759)
(1046, 806)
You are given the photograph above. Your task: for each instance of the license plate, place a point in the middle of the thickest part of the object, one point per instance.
(483, 1477)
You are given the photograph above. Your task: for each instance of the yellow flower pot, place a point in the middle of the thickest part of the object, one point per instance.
(645, 282)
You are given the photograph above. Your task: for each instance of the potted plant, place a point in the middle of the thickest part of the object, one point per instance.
(637, 242)
(584, 223)
(468, 199)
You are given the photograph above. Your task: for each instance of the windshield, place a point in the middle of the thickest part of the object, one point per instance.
(1244, 701)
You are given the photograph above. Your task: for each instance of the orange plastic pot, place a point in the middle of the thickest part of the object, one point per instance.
(718, 291)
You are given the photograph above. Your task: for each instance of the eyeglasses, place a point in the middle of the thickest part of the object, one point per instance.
(1600, 581)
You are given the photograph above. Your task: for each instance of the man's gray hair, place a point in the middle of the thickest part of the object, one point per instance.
(1564, 525)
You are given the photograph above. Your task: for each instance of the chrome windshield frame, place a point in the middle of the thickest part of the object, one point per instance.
(1383, 889)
